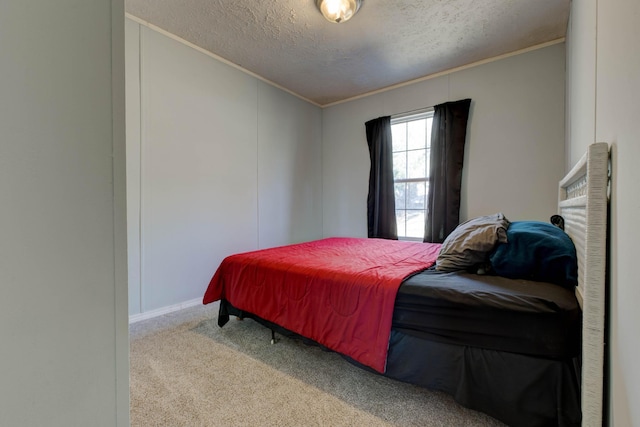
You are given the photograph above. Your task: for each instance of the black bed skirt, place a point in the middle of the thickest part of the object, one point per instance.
(519, 390)
(516, 389)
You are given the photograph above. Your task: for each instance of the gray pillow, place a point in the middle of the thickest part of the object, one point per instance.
(471, 242)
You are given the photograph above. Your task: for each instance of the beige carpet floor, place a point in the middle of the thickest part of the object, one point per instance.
(186, 371)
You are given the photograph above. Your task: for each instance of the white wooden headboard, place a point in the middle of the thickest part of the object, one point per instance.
(583, 203)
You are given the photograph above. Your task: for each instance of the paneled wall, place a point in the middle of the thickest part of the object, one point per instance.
(514, 156)
(603, 60)
(221, 162)
(63, 277)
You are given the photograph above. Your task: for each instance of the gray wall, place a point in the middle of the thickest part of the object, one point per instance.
(604, 77)
(514, 154)
(219, 162)
(63, 309)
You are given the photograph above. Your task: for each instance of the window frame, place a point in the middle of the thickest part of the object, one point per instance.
(423, 114)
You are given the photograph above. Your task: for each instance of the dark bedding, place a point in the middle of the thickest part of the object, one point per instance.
(519, 390)
(491, 312)
(506, 347)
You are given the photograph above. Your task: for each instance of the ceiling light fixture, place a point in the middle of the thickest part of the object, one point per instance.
(338, 11)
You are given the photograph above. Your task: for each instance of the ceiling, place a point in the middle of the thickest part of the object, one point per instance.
(389, 42)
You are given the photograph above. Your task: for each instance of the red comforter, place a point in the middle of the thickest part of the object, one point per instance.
(340, 292)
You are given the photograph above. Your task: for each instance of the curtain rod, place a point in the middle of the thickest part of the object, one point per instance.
(411, 113)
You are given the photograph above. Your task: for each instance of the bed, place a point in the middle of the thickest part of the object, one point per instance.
(525, 349)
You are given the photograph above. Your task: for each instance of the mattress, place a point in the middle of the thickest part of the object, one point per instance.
(518, 316)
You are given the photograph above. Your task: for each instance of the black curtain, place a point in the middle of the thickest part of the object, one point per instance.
(381, 204)
(445, 178)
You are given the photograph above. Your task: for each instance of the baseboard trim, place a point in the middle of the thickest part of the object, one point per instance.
(163, 310)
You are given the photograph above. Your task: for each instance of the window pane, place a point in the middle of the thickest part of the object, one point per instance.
(411, 143)
(417, 135)
(399, 137)
(416, 166)
(415, 224)
(400, 165)
(416, 195)
(401, 223)
(400, 193)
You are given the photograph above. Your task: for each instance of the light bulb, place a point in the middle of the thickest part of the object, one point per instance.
(338, 10)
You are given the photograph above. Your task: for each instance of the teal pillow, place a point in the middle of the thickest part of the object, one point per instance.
(536, 251)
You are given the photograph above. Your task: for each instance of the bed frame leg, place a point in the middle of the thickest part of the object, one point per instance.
(273, 337)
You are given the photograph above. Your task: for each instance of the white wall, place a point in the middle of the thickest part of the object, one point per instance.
(608, 31)
(63, 309)
(226, 164)
(581, 67)
(514, 156)
(289, 168)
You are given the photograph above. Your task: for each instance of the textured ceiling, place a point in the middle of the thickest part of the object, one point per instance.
(388, 42)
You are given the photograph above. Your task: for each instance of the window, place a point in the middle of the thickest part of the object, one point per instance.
(411, 136)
